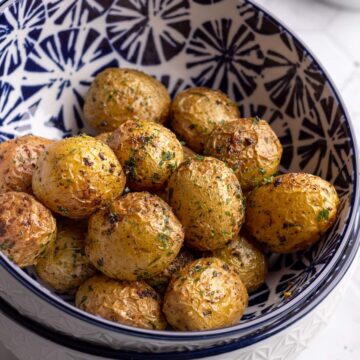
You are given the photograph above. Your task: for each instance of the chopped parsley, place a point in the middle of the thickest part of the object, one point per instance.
(323, 215)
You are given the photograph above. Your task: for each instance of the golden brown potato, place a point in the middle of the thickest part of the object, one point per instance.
(195, 113)
(291, 213)
(136, 237)
(247, 259)
(65, 265)
(249, 146)
(160, 282)
(118, 95)
(206, 197)
(127, 302)
(104, 137)
(17, 162)
(76, 176)
(206, 294)
(148, 152)
(26, 228)
(188, 153)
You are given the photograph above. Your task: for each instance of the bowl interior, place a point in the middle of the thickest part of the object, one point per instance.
(51, 50)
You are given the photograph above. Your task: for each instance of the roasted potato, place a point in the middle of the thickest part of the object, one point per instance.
(248, 260)
(148, 152)
(291, 213)
(26, 228)
(249, 146)
(127, 302)
(160, 282)
(188, 153)
(17, 162)
(76, 176)
(65, 265)
(195, 113)
(104, 137)
(206, 197)
(135, 237)
(117, 95)
(206, 294)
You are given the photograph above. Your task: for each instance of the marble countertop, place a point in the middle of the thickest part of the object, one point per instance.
(332, 33)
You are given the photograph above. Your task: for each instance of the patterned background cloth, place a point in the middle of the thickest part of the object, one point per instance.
(330, 32)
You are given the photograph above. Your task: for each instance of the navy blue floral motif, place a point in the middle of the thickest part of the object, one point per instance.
(148, 32)
(8, 101)
(77, 12)
(20, 28)
(172, 84)
(225, 56)
(324, 139)
(65, 64)
(294, 81)
(207, 2)
(257, 20)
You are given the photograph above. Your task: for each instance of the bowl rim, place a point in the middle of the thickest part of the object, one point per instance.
(248, 325)
(97, 350)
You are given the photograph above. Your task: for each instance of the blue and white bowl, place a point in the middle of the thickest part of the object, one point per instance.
(50, 51)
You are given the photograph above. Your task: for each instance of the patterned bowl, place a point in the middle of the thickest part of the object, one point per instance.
(51, 50)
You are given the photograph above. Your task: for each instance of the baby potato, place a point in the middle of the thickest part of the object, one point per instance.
(135, 237)
(206, 294)
(117, 95)
(148, 152)
(188, 153)
(17, 162)
(76, 176)
(291, 213)
(127, 302)
(160, 282)
(249, 146)
(65, 265)
(195, 113)
(249, 262)
(206, 197)
(104, 137)
(26, 228)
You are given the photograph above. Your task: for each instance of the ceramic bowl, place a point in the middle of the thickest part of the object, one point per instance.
(50, 51)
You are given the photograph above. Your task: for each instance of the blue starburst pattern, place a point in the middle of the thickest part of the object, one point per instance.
(225, 56)
(77, 12)
(20, 28)
(131, 31)
(323, 139)
(65, 63)
(294, 82)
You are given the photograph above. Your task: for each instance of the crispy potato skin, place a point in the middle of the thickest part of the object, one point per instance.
(104, 137)
(127, 302)
(136, 237)
(148, 152)
(17, 162)
(188, 153)
(26, 228)
(291, 213)
(249, 146)
(206, 294)
(117, 95)
(195, 113)
(76, 176)
(206, 197)
(249, 261)
(160, 282)
(65, 265)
